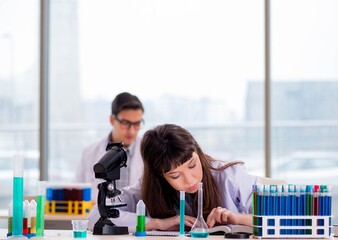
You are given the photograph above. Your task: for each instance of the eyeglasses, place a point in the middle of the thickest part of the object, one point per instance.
(125, 124)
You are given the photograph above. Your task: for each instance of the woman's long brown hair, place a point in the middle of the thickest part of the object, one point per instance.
(163, 148)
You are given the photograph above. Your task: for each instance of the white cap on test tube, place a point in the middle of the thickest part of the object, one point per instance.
(182, 195)
(140, 208)
(25, 208)
(10, 209)
(41, 188)
(27, 212)
(18, 165)
(32, 207)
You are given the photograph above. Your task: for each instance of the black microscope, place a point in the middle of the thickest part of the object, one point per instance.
(108, 168)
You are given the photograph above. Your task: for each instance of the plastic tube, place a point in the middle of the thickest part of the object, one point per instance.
(33, 206)
(141, 219)
(40, 211)
(17, 224)
(182, 212)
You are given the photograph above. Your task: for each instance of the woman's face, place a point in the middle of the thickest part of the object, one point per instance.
(186, 176)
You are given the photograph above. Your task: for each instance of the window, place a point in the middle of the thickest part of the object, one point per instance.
(304, 91)
(174, 56)
(19, 107)
(195, 63)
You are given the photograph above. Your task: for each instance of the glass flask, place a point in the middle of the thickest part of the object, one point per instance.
(200, 228)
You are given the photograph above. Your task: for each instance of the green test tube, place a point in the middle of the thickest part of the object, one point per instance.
(40, 209)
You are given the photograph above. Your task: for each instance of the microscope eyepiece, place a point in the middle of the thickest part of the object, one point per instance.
(108, 167)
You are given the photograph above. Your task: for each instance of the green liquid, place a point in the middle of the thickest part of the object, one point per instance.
(10, 225)
(141, 224)
(199, 234)
(40, 215)
(17, 220)
(80, 234)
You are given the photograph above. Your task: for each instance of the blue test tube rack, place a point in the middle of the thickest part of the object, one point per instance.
(292, 211)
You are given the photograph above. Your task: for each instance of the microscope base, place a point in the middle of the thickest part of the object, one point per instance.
(106, 227)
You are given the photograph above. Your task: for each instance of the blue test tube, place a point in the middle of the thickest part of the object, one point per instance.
(302, 206)
(266, 205)
(298, 208)
(260, 202)
(328, 200)
(17, 220)
(182, 212)
(279, 200)
(293, 207)
(273, 200)
(285, 200)
(284, 207)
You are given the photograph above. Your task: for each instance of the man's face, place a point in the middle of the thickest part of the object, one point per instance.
(126, 125)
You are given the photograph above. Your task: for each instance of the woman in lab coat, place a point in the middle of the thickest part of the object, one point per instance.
(173, 162)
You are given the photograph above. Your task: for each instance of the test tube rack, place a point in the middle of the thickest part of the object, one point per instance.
(292, 226)
(68, 207)
(70, 199)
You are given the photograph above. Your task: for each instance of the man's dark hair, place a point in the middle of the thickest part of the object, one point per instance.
(124, 101)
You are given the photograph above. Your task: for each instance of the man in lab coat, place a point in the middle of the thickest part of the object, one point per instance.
(126, 120)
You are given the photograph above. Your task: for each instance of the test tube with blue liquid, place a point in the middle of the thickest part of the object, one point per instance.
(182, 212)
(200, 228)
(17, 218)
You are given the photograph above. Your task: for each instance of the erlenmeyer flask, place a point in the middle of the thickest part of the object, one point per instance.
(200, 228)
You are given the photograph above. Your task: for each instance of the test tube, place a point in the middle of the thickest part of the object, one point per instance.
(328, 199)
(273, 200)
(182, 212)
(303, 206)
(40, 211)
(279, 204)
(10, 217)
(17, 224)
(316, 194)
(26, 217)
(141, 219)
(32, 206)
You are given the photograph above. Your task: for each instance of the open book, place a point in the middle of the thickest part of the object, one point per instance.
(217, 230)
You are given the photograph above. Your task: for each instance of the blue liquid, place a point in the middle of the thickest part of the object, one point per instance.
(79, 234)
(17, 224)
(199, 234)
(182, 212)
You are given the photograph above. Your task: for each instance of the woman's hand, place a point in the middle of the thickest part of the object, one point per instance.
(221, 215)
(171, 223)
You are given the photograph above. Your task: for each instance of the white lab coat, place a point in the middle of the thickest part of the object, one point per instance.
(93, 153)
(235, 186)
